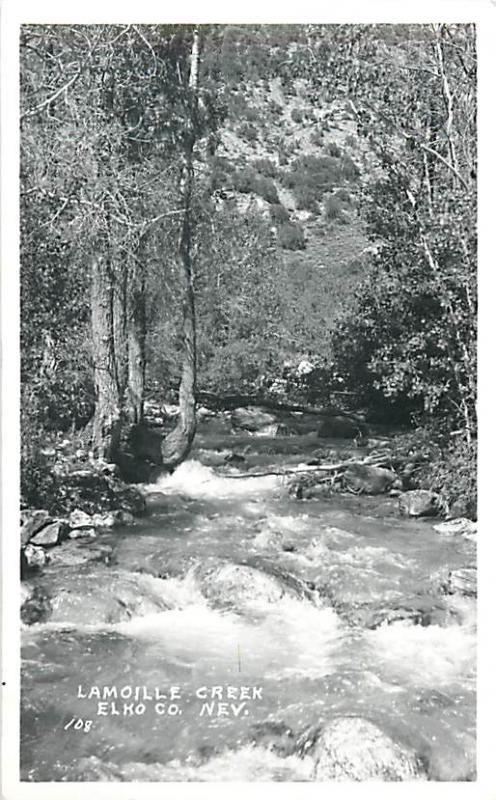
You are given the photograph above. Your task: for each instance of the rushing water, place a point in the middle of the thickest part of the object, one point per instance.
(331, 613)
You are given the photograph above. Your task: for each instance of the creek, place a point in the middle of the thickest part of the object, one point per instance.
(234, 618)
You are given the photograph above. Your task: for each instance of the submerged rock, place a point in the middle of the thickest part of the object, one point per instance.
(369, 479)
(238, 584)
(110, 597)
(76, 553)
(454, 760)
(419, 503)
(352, 748)
(275, 736)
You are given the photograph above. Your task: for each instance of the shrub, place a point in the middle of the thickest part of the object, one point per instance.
(349, 169)
(333, 210)
(317, 138)
(333, 150)
(266, 188)
(343, 196)
(291, 236)
(265, 167)
(248, 132)
(297, 115)
(275, 108)
(307, 198)
(279, 213)
(244, 181)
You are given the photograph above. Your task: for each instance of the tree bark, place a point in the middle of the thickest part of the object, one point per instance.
(120, 275)
(177, 444)
(107, 419)
(136, 337)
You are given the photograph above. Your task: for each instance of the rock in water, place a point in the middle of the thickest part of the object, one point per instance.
(238, 584)
(32, 522)
(369, 479)
(419, 503)
(340, 428)
(51, 534)
(352, 748)
(461, 526)
(80, 519)
(460, 581)
(252, 419)
(34, 557)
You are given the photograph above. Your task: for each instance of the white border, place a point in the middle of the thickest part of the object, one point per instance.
(91, 11)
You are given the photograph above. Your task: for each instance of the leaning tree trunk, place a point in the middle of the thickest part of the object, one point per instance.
(107, 418)
(177, 444)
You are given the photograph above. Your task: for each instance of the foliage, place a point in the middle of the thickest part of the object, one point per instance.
(333, 209)
(291, 236)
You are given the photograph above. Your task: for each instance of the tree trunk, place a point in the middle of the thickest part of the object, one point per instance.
(136, 337)
(107, 419)
(120, 324)
(177, 444)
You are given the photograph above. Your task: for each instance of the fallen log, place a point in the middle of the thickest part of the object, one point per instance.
(230, 402)
(341, 466)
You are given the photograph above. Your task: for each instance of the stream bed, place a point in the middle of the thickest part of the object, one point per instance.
(233, 623)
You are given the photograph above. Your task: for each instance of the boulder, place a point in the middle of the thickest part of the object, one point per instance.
(51, 534)
(108, 596)
(82, 533)
(75, 553)
(369, 479)
(80, 519)
(252, 419)
(32, 522)
(460, 527)
(34, 557)
(419, 503)
(238, 584)
(108, 520)
(352, 748)
(341, 428)
(461, 581)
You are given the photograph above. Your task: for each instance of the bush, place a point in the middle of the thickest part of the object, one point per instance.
(349, 169)
(307, 198)
(248, 132)
(279, 213)
(333, 150)
(291, 236)
(265, 167)
(343, 196)
(454, 476)
(244, 181)
(266, 188)
(333, 210)
(317, 138)
(297, 115)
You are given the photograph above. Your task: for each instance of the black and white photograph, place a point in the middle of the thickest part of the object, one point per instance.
(247, 516)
